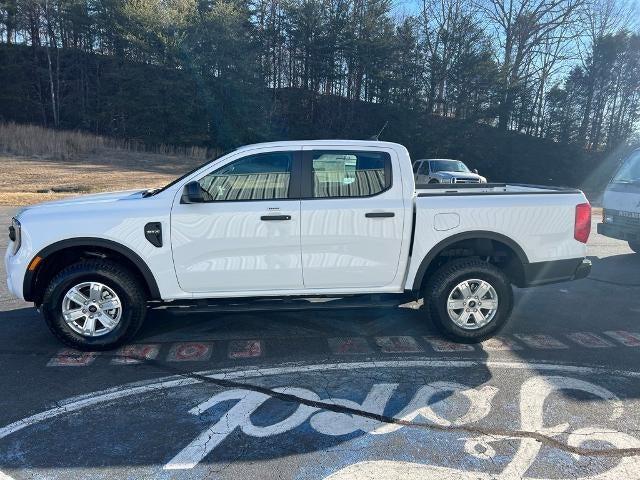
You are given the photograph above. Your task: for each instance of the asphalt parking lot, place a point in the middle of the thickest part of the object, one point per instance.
(341, 394)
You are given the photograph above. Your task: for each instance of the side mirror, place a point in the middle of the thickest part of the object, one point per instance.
(192, 193)
(475, 170)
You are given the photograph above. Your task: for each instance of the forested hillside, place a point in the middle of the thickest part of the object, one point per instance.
(530, 90)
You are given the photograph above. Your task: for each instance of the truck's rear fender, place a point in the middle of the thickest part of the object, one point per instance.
(57, 256)
(496, 248)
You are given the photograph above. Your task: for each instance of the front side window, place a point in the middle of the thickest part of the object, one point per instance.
(264, 176)
(350, 174)
(424, 169)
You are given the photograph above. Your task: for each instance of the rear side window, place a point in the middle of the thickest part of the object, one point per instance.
(257, 177)
(424, 168)
(350, 174)
(415, 167)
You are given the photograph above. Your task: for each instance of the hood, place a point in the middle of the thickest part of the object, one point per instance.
(469, 175)
(89, 199)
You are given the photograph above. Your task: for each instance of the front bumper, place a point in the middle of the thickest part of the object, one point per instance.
(15, 267)
(543, 273)
(619, 232)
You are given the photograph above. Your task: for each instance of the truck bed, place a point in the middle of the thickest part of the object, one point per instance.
(539, 220)
(489, 189)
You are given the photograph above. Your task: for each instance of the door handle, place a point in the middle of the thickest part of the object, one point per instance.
(379, 214)
(275, 217)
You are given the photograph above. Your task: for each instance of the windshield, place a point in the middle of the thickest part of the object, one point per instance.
(182, 177)
(448, 166)
(630, 170)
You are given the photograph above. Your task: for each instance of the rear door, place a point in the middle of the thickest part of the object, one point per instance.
(352, 216)
(246, 236)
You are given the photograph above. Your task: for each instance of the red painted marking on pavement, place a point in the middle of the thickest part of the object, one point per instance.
(496, 344)
(349, 346)
(543, 342)
(628, 339)
(134, 354)
(589, 340)
(189, 352)
(400, 344)
(245, 349)
(72, 358)
(440, 345)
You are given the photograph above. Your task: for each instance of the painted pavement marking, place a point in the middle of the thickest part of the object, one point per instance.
(589, 340)
(245, 349)
(127, 390)
(349, 346)
(440, 345)
(190, 352)
(497, 344)
(135, 354)
(543, 342)
(72, 358)
(628, 339)
(402, 344)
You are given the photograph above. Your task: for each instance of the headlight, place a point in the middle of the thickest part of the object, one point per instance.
(15, 234)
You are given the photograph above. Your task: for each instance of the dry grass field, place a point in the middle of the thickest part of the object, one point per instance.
(38, 164)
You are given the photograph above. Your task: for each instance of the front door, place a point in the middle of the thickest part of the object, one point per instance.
(422, 176)
(246, 235)
(352, 219)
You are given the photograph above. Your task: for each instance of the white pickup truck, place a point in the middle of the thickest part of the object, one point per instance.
(295, 219)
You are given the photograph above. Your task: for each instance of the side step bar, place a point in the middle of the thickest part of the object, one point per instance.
(284, 303)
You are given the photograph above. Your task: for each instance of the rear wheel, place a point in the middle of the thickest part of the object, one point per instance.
(469, 300)
(94, 305)
(635, 246)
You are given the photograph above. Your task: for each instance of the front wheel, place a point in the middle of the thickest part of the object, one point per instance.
(469, 300)
(94, 305)
(635, 246)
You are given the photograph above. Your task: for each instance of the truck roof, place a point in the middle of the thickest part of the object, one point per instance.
(328, 142)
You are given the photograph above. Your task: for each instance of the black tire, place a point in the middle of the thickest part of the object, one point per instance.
(433, 180)
(635, 246)
(444, 281)
(113, 275)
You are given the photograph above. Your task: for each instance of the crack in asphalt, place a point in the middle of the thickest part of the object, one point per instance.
(322, 405)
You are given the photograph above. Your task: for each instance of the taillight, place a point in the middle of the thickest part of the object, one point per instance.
(582, 227)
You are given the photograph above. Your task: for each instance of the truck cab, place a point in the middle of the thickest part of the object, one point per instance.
(621, 203)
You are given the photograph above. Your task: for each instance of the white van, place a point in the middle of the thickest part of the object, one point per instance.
(621, 204)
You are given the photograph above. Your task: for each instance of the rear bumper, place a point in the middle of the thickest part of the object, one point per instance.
(543, 273)
(619, 232)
